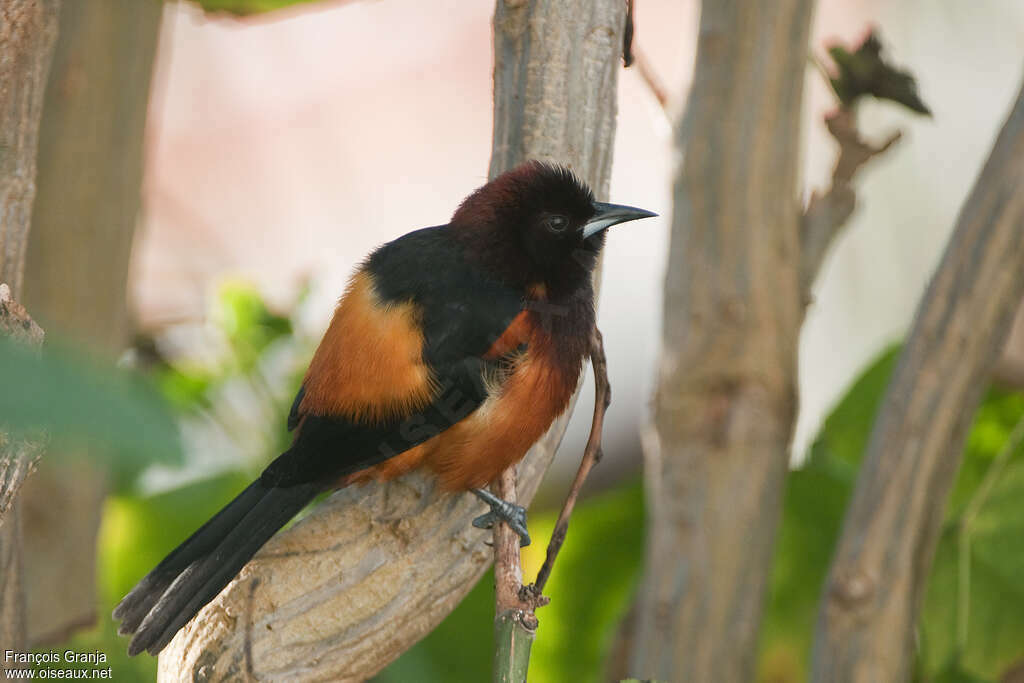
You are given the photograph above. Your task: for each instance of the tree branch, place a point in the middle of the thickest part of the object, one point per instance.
(827, 213)
(76, 273)
(859, 72)
(866, 621)
(343, 592)
(18, 459)
(27, 32)
(515, 623)
(726, 395)
(17, 456)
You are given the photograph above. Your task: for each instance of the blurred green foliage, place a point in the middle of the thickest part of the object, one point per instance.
(248, 330)
(260, 358)
(978, 566)
(78, 399)
(246, 7)
(865, 71)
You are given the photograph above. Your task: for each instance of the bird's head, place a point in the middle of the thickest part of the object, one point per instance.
(538, 223)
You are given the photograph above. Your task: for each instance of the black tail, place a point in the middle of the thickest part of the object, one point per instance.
(196, 571)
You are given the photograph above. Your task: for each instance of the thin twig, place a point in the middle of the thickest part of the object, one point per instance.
(650, 78)
(627, 36)
(827, 213)
(591, 456)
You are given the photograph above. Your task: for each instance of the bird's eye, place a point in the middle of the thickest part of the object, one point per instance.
(557, 223)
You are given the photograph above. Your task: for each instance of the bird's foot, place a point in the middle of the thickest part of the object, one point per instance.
(502, 510)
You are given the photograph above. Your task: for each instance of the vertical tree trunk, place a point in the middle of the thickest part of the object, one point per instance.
(86, 208)
(865, 628)
(726, 395)
(376, 568)
(27, 32)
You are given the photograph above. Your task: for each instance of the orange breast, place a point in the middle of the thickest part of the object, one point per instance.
(369, 366)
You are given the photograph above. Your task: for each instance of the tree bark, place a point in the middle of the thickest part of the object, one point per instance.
(865, 629)
(372, 570)
(27, 32)
(17, 461)
(84, 217)
(726, 395)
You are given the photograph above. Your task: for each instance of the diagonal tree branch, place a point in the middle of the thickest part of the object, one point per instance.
(367, 574)
(865, 629)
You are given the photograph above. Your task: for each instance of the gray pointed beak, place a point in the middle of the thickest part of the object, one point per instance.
(608, 215)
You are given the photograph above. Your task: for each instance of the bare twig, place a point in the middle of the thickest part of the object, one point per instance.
(650, 77)
(592, 455)
(627, 35)
(827, 213)
(859, 71)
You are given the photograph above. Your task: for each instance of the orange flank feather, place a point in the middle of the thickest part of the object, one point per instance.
(524, 400)
(514, 336)
(536, 390)
(369, 366)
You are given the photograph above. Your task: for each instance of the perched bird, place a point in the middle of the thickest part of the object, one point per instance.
(454, 347)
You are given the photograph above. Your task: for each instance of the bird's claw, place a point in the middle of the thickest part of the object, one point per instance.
(502, 510)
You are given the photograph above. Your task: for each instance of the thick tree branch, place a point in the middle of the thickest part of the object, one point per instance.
(346, 590)
(83, 219)
(18, 459)
(17, 456)
(27, 32)
(873, 594)
(726, 395)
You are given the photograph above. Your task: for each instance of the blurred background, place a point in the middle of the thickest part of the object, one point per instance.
(279, 148)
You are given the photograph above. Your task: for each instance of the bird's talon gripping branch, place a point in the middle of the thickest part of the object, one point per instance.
(510, 513)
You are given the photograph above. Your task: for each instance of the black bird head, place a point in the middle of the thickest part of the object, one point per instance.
(539, 224)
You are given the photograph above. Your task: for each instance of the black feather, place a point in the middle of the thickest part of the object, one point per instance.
(194, 572)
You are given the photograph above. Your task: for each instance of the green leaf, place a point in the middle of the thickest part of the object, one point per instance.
(866, 72)
(246, 7)
(977, 646)
(81, 400)
(813, 508)
(974, 607)
(249, 326)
